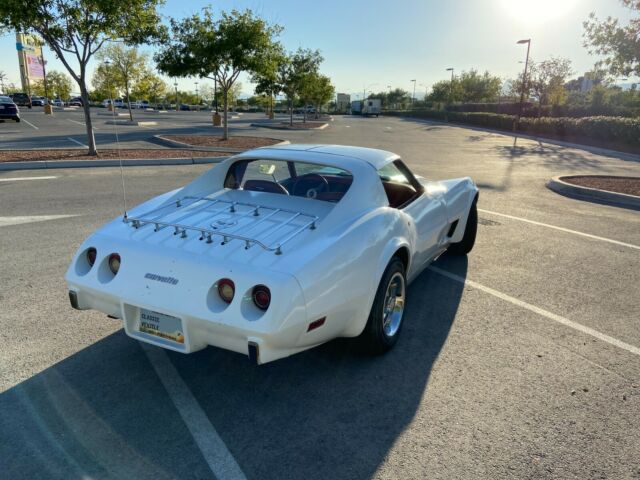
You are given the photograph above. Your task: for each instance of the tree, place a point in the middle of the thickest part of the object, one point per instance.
(59, 84)
(76, 30)
(3, 78)
(218, 49)
(475, 88)
(620, 44)
(321, 91)
(127, 68)
(149, 87)
(293, 75)
(103, 85)
(546, 80)
(266, 79)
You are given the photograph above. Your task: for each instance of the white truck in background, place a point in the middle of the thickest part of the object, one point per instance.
(370, 106)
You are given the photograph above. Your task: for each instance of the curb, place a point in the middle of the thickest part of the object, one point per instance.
(593, 194)
(131, 162)
(274, 127)
(174, 143)
(129, 122)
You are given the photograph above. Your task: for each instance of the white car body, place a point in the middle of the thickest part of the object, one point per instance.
(325, 266)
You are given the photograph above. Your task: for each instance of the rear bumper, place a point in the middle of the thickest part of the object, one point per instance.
(225, 330)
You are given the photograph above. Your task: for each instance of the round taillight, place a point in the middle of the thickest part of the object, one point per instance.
(261, 296)
(226, 289)
(91, 256)
(114, 263)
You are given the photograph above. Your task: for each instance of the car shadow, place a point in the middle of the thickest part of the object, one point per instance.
(330, 412)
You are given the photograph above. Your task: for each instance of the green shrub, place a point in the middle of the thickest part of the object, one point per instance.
(600, 129)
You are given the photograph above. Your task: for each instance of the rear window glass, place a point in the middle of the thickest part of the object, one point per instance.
(299, 179)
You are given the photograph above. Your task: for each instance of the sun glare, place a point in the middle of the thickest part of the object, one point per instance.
(538, 11)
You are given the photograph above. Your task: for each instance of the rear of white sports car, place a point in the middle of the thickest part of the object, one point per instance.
(185, 301)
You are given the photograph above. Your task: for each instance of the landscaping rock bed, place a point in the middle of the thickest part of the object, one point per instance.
(625, 185)
(295, 126)
(104, 154)
(240, 142)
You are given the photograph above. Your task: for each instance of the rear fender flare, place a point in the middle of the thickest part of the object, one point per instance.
(390, 249)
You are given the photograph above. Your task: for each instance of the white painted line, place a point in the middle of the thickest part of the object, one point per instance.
(8, 221)
(21, 179)
(213, 449)
(76, 141)
(29, 123)
(81, 123)
(562, 229)
(532, 308)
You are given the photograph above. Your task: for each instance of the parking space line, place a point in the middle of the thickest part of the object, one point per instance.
(21, 179)
(562, 229)
(29, 123)
(540, 311)
(212, 447)
(19, 220)
(81, 123)
(76, 141)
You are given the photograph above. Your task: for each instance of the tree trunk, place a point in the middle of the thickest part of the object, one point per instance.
(291, 112)
(304, 112)
(91, 140)
(126, 88)
(225, 118)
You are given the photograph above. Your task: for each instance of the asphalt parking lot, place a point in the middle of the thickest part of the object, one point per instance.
(520, 361)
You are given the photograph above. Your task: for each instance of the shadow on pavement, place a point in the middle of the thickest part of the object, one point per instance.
(329, 412)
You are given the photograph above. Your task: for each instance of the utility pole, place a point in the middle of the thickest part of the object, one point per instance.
(446, 112)
(413, 98)
(524, 81)
(197, 97)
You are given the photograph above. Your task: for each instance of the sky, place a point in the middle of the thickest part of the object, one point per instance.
(371, 44)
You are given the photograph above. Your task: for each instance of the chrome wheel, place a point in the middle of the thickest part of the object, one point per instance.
(393, 305)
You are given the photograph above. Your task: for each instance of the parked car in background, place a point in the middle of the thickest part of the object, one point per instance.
(8, 109)
(58, 103)
(76, 102)
(38, 101)
(142, 104)
(21, 99)
(185, 107)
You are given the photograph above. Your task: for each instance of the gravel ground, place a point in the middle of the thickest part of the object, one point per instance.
(77, 154)
(217, 141)
(626, 185)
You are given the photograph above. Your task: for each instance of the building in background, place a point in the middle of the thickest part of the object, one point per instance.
(343, 102)
(30, 59)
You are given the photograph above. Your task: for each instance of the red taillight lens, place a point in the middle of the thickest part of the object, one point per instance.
(226, 289)
(91, 256)
(261, 296)
(114, 263)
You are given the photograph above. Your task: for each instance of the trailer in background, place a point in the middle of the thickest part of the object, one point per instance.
(372, 106)
(356, 107)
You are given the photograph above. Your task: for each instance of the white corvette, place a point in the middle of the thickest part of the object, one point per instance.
(275, 251)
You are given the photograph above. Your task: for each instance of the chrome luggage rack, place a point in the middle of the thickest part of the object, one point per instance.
(189, 206)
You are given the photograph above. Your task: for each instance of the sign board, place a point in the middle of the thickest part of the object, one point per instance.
(29, 49)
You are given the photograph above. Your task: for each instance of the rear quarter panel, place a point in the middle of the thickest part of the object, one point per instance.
(340, 280)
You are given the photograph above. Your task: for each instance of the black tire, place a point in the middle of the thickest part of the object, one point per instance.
(374, 339)
(465, 245)
(17, 120)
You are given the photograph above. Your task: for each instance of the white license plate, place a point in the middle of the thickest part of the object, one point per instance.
(161, 325)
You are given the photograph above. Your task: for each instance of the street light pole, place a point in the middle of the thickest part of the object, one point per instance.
(524, 80)
(413, 98)
(446, 113)
(197, 97)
